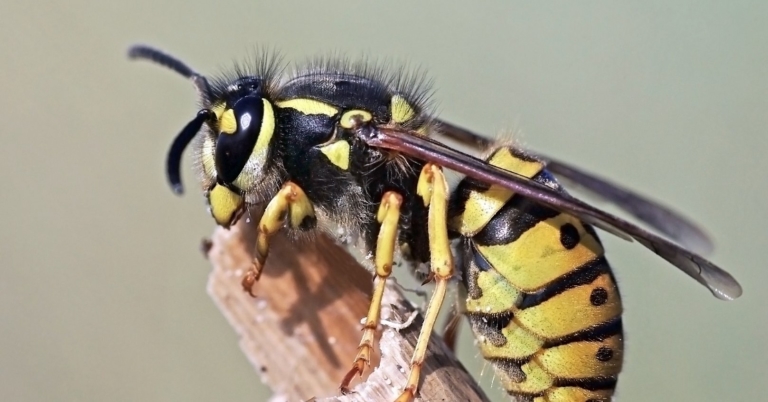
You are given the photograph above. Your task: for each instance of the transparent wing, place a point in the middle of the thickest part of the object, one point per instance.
(720, 283)
(659, 217)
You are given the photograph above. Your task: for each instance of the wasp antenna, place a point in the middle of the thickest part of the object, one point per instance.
(173, 161)
(142, 52)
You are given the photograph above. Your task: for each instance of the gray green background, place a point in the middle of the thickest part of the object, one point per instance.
(101, 284)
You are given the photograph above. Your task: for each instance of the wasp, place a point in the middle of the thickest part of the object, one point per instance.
(348, 145)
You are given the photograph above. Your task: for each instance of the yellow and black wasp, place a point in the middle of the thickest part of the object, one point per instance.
(339, 144)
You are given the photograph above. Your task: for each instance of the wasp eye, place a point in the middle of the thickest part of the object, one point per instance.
(240, 127)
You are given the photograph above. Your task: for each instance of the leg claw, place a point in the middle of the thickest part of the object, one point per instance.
(405, 396)
(249, 281)
(357, 369)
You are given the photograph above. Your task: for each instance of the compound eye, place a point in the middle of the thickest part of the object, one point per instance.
(239, 131)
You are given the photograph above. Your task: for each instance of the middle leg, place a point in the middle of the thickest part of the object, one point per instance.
(433, 189)
(389, 216)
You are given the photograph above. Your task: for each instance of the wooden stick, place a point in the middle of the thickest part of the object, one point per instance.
(301, 332)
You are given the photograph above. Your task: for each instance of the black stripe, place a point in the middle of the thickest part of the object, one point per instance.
(490, 326)
(459, 196)
(580, 276)
(515, 218)
(591, 383)
(597, 333)
(510, 367)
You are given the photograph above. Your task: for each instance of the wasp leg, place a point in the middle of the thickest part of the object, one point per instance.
(453, 323)
(290, 203)
(451, 329)
(433, 189)
(388, 216)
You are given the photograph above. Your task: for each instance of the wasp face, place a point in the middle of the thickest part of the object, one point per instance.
(233, 134)
(245, 125)
(236, 149)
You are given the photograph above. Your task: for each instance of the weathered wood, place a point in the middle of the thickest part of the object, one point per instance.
(301, 332)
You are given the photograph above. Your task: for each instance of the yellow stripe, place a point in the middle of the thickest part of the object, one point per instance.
(337, 153)
(537, 380)
(521, 344)
(571, 311)
(537, 257)
(498, 294)
(577, 360)
(574, 394)
(481, 207)
(309, 106)
(251, 173)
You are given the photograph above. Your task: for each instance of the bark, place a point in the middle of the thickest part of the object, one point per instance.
(302, 330)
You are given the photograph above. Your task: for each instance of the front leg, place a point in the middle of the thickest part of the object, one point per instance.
(291, 204)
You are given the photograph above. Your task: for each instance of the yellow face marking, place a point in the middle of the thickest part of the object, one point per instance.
(481, 207)
(218, 109)
(309, 106)
(251, 173)
(227, 122)
(207, 157)
(347, 121)
(338, 153)
(401, 109)
(578, 359)
(522, 261)
(225, 205)
(556, 317)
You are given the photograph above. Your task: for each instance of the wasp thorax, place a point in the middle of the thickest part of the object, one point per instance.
(242, 144)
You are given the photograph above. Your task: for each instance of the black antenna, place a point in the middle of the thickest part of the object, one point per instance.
(182, 140)
(142, 52)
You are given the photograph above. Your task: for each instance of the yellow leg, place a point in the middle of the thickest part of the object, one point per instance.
(388, 216)
(290, 203)
(433, 189)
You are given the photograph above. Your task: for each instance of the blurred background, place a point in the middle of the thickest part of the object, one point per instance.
(102, 286)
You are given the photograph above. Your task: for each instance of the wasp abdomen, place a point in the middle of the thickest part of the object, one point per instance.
(542, 299)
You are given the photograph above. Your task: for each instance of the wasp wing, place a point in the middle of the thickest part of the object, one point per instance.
(719, 282)
(657, 216)
(661, 218)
